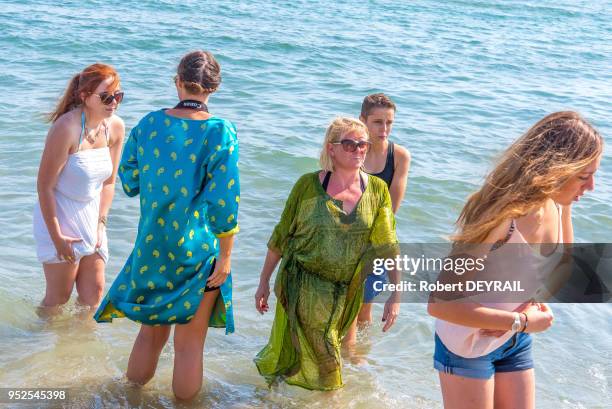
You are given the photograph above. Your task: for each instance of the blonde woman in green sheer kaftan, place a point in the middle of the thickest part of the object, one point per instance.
(334, 221)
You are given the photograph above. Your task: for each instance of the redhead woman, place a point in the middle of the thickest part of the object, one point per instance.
(483, 350)
(76, 184)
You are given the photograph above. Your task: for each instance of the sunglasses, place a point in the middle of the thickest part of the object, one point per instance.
(350, 145)
(107, 98)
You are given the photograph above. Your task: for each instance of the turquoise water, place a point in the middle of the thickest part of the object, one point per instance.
(468, 77)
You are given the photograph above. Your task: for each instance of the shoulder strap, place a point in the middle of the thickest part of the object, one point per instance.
(328, 176)
(560, 227)
(107, 133)
(82, 130)
(390, 162)
(362, 183)
(326, 180)
(500, 243)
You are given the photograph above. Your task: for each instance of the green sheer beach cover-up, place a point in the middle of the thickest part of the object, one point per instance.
(319, 285)
(186, 173)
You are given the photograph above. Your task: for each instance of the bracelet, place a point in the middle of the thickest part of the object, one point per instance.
(103, 220)
(526, 321)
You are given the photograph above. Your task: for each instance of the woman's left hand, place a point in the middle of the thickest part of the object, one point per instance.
(101, 232)
(523, 308)
(222, 270)
(392, 307)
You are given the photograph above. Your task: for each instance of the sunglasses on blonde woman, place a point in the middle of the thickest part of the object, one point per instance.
(350, 145)
(107, 98)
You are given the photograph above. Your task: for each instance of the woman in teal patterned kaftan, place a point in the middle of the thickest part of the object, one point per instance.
(183, 163)
(185, 172)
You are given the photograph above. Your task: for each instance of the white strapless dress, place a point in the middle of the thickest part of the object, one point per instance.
(77, 201)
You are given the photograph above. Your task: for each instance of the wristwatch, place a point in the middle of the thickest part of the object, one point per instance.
(516, 325)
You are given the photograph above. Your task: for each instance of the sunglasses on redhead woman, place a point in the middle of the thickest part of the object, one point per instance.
(107, 98)
(350, 145)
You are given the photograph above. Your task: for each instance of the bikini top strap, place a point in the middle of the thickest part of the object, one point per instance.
(328, 176)
(500, 243)
(362, 183)
(510, 230)
(560, 225)
(107, 133)
(326, 180)
(82, 130)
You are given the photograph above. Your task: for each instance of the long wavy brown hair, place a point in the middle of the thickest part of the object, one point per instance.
(532, 169)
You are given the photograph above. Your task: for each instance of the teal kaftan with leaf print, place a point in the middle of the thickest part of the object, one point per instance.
(186, 172)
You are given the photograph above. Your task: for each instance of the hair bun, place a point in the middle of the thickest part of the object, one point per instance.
(200, 72)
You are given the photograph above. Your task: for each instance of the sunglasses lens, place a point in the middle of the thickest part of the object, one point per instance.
(106, 98)
(351, 146)
(348, 145)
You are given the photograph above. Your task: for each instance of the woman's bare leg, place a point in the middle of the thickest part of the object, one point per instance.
(90, 280)
(189, 348)
(145, 353)
(460, 392)
(365, 315)
(60, 279)
(515, 390)
(350, 339)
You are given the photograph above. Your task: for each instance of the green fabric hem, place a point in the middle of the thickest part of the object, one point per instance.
(271, 379)
(107, 311)
(305, 386)
(231, 232)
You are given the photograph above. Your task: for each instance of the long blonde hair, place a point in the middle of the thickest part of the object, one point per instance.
(532, 169)
(335, 131)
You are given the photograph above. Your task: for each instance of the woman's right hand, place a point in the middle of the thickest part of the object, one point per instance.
(63, 247)
(261, 297)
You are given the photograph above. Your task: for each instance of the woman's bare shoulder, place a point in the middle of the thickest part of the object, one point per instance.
(401, 159)
(65, 130)
(401, 152)
(117, 129)
(117, 122)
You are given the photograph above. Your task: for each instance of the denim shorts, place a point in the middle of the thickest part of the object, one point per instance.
(514, 355)
(369, 293)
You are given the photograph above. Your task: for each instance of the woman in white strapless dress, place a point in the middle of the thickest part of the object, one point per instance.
(76, 182)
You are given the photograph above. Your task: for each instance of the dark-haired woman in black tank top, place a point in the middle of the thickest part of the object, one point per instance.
(388, 171)
(391, 163)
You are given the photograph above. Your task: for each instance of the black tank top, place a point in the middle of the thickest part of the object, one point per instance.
(389, 170)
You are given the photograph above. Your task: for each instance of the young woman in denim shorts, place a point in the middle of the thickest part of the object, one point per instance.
(483, 353)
